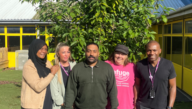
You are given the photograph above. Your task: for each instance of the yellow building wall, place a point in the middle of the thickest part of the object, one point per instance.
(188, 61)
(11, 55)
(178, 70)
(187, 80)
(11, 58)
(51, 57)
(155, 28)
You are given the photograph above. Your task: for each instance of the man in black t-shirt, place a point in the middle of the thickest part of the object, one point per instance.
(155, 81)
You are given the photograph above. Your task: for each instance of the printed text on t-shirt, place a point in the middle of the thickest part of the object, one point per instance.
(122, 78)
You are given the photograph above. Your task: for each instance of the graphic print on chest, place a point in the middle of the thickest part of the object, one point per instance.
(122, 78)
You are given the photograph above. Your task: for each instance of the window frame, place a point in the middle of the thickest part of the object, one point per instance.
(23, 34)
(19, 41)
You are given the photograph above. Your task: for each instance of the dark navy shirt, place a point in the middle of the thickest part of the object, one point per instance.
(165, 72)
(65, 77)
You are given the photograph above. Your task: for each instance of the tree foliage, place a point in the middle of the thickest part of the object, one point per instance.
(105, 22)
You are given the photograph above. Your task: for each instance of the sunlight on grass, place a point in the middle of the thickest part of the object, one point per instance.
(10, 93)
(11, 75)
(10, 96)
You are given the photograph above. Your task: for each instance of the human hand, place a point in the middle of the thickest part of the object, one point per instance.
(62, 105)
(54, 69)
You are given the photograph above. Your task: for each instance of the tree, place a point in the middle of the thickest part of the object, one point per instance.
(105, 22)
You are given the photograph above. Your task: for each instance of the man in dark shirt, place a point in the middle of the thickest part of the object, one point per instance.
(91, 82)
(155, 81)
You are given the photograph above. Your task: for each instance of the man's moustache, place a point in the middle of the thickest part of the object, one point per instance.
(91, 57)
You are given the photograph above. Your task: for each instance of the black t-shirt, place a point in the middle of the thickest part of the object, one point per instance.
(65, 77)
(164, 72)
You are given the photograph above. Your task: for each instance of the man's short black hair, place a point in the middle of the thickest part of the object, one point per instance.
(92, 44)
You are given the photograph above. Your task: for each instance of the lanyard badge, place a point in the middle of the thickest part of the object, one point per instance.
(65, 70)
(152, 91)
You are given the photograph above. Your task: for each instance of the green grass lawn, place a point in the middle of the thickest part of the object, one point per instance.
(187, 105)
(10, 93)
(11, 75)
(10, 96)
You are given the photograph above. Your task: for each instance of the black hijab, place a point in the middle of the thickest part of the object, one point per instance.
(40, 64)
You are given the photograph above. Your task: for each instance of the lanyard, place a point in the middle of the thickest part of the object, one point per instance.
(150, 75)
(64, 69)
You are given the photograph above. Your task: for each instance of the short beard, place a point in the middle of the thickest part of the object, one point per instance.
(91, 62)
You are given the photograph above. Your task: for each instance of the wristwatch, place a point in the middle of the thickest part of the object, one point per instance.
(168, 107)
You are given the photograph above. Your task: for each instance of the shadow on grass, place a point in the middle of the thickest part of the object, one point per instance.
(18, 85)
(18, 97)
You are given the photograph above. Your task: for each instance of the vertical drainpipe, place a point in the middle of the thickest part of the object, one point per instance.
(38, 36)
(21, 38)
(5, 31)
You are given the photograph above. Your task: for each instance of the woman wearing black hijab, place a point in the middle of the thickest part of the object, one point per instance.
(37, 75)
